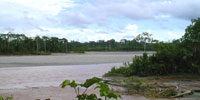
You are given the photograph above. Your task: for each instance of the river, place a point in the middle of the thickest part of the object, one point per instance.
(38, 77)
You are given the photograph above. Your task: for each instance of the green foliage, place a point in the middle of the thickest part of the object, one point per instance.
(121, 71)
(191, 41)
(87, 97)
(144, 37)
(166, 93)
(6, 98)
(138, 85)
(20, 44)
(169, 59)
(78, 50)
(41, 53)
(177, 57)
(65, 83)
(104, 90)
(90, 82)
(139, 65)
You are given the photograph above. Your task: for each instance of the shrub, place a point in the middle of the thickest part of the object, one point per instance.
(104, 89)
(6, 98)
(169, 59)
(121, 71)
(180, 56)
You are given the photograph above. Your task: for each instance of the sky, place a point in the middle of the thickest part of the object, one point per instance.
(92, 20)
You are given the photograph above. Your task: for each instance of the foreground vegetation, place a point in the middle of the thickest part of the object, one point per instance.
(104, 89)
(179, 57)
(136, 85)
(6, 98)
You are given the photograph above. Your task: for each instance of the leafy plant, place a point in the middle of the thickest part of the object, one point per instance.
(6, 98)
(179, 57)
(104, 89)
(145, 37)
(165, 93)
(121, 71)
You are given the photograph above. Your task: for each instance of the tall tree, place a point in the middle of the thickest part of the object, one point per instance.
(144, 37)
(191, 39)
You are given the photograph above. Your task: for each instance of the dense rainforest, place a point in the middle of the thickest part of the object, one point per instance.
(21, 44)
(180, 57)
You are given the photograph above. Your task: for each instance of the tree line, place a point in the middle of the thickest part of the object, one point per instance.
(21, 44)
(179, 57)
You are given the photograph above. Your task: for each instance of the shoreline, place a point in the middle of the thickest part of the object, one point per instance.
(75, 53)
(68, 59)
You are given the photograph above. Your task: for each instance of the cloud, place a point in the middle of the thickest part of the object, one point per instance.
(31, 14)
(129, 32)
(101, 11)
(46, 6)
(92, 19)
(131, 27)
(86, 34)
(173, 35)
(74, 19)
(143, 9)
(184, 9)
(65, 13)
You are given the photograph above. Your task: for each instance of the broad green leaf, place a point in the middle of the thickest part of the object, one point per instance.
(73, 84)
(1, 98)
(82, 97)
(102, 86)
(118, 95)
(114, 95)
(9, 98)
(92, 97)
(103, 89)
(65, 83)
(90, 82)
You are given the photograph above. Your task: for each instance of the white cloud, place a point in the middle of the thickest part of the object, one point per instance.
(46, 6)
(31, 14)
(56, 17)
(183, 9)
(131, 27)
(86, 34)
(173, 35)
(129, 32)
(149, 31)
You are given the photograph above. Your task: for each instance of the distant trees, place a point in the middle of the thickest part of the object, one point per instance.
(20, 44)
(123, 45)
(145, 38)
(179, 57)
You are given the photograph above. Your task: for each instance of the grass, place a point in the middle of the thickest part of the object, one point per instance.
(121, 71)
(41, 53)
(138, 85)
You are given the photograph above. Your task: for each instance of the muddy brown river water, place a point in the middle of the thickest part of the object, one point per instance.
(44, 76)
(68, 59)
(38, 77)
